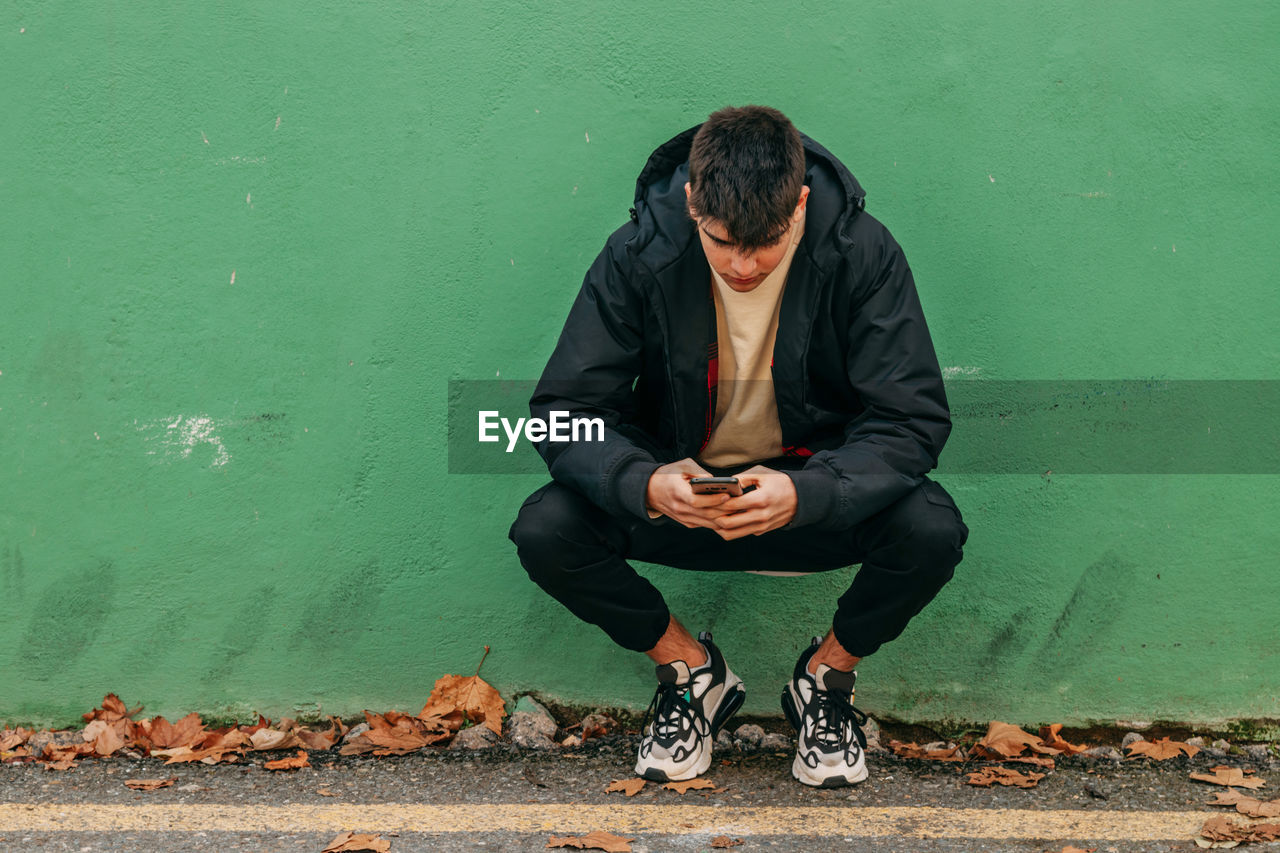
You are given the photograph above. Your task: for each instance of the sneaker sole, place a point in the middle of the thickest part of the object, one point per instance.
(805, 776)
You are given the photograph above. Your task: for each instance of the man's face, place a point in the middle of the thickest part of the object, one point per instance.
(744, 271)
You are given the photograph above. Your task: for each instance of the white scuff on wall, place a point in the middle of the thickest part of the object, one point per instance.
(954, 372)
(176, 437)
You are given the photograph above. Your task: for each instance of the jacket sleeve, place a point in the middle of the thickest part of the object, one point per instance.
(890, 362)
(590, 375)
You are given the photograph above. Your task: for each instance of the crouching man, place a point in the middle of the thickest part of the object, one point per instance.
(752, 320)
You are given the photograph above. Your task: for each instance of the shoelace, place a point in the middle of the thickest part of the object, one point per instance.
(670, 713)
(835, 710)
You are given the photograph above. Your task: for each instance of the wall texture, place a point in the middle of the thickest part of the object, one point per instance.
(244, 248)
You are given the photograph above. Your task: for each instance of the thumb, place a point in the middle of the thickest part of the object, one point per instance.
(691, 469)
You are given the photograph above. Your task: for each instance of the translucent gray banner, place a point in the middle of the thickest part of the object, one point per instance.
(1074, 426)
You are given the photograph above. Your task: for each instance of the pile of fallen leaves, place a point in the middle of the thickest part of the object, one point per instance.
(114, 729)
(1161, 750)
(1223, 832)
(1003, 743)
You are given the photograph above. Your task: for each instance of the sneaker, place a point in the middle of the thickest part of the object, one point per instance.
(830, 744)
(688, 710)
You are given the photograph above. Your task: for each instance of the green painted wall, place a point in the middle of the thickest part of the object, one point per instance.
(244, 247)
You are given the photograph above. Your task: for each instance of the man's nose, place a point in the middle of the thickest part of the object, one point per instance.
(743, 265)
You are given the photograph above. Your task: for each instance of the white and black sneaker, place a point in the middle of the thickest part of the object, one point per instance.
(830, 745)
(687, 711)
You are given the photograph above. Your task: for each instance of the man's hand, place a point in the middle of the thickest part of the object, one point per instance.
(669, 493)
(771, 505)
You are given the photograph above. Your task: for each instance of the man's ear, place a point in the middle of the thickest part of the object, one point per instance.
(804, 198)
(688, 191)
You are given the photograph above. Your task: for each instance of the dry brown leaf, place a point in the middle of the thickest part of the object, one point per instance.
(723, 842)
(1264, 832)
(350, 842)
(1246, 805)
(470, 695)
(63, 757)
(325, 792)
(1221, 832)
(1228, 797)
(1257, 808)
(1069, 849)
(1050, 735)
(395, 733)
(297, 762)
(112, 709)
(1162, 750)
(1006, 741)
(216, 746)
(1230, 776)
(988, 776)
(358, 745)
(9, 738)
(597, 840)
(689, 785)
(107, 740)
(66, 763)
(913, 750)
(165, 735)
(263, 723)
(317, 740)
(630, 787)
(150, 784)
(262, 740)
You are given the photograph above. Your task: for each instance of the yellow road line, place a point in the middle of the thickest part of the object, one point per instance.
(900, 821)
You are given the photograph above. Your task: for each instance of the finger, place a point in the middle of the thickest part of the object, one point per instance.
(754, 474)
(692, 521)
(709, 514)
(741, 532)
(689, 469)
(755, 500)
(704, 501)
(738, 520)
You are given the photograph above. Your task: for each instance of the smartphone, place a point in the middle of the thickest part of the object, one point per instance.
(717, 486)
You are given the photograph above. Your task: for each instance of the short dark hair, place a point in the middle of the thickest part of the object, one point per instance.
(746, 168)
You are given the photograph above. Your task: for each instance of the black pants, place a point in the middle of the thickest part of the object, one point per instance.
(577, 553)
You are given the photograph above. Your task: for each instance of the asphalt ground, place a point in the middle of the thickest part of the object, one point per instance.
(507, 799)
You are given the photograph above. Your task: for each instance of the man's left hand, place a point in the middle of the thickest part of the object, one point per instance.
(772, 504)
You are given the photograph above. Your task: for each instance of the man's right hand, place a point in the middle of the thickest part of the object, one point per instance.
(669, 493)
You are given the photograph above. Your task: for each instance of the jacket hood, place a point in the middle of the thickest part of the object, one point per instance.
(664, 229)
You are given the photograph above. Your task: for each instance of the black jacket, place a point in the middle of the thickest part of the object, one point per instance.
(860, 397)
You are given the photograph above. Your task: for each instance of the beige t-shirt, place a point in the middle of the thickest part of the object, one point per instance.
(746, 428)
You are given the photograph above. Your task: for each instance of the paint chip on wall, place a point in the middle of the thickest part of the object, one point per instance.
(178, 438)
